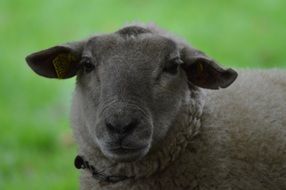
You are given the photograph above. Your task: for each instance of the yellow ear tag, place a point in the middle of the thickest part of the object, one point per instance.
(200, 68)
(62, 64)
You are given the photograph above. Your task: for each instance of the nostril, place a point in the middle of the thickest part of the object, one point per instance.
(129, 128)
(116, 127)
(110, 127)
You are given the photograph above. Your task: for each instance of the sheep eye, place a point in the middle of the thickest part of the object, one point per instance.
(87, 64)
(172, 66)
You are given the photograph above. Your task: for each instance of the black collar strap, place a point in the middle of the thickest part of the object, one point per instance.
(81, 163)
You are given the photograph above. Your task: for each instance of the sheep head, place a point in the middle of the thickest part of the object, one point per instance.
(130, 86)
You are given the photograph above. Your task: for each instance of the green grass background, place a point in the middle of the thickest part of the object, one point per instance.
(36, 148)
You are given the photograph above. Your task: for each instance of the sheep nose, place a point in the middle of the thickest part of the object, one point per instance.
(118, 127)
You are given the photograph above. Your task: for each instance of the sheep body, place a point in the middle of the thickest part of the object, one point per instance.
(240, 144)
(233, 138)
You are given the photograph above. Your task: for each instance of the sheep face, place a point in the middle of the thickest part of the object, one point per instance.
(130, 86)
(132, 93)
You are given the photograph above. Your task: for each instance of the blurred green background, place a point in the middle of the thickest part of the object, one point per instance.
(36, 146)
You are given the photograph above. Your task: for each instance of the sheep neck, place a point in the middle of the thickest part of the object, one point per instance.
(187, 126)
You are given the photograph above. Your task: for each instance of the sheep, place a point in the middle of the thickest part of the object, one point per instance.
(151, 112)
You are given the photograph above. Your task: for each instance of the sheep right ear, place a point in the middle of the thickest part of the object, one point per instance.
(204, 72)
(59, 62)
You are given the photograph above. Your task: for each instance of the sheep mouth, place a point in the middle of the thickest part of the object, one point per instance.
(125, 149)
(126, 154)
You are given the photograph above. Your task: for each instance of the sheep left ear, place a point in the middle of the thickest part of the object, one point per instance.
(205, 72)
(61, 61)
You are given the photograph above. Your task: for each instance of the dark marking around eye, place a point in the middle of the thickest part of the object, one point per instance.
(172, 66)
(171, 69)
(87, 64)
